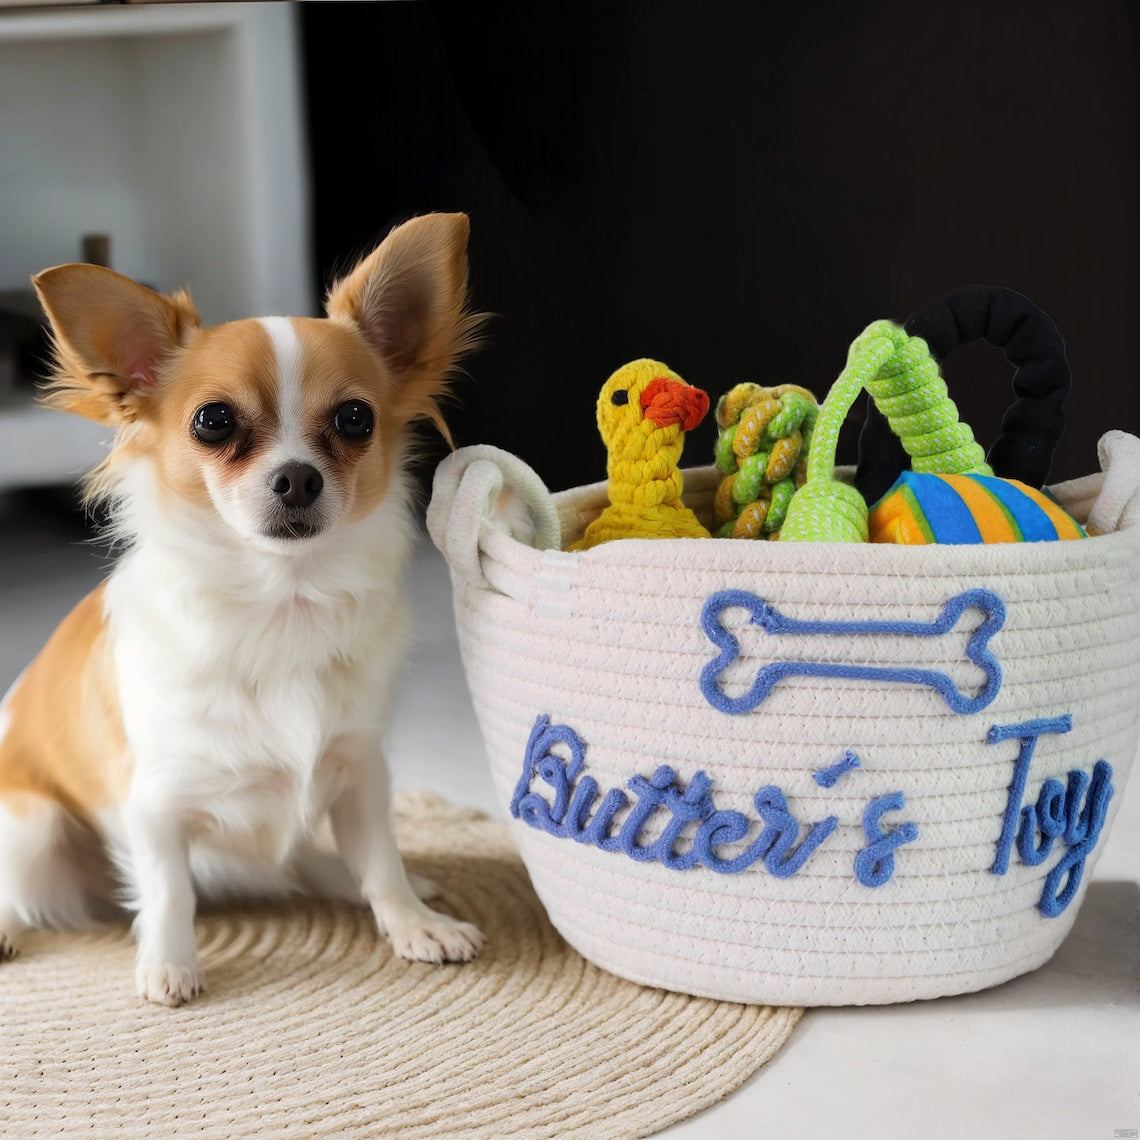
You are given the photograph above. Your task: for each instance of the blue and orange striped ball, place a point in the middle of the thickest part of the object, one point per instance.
(960, 509)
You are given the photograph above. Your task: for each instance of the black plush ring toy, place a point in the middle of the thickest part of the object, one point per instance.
(1033, 423)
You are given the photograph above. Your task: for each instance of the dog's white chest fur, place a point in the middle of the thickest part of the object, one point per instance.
(243, 679)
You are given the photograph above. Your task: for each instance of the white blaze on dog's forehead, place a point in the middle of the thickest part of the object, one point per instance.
(287, 352)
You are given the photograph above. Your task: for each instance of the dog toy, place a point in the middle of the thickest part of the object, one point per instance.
(1030, 428)
(922, 508)
(903, 378)
(644, 410)
(933, 502)
(761, 452)
(967, 509)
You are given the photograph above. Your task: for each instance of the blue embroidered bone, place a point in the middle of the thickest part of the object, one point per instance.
(772, 621)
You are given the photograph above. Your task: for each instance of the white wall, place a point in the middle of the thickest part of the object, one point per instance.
(178, 131)
(67, 161)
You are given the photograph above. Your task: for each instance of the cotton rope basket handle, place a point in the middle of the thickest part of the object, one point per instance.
(475, 494)
(902, 376)
(1117, 502)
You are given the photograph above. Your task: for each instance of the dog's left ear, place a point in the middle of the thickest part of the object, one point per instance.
(408, 298)
(111, 338)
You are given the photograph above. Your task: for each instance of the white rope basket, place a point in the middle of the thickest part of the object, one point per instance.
(801, 773)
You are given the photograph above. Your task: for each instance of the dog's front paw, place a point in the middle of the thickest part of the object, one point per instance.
(8, 947)
(167, 984)
(435, 938)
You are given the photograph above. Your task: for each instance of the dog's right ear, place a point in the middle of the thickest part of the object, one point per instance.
(408, 298)
(111, 337)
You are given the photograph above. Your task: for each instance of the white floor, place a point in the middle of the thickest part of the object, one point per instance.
(1053, 1056)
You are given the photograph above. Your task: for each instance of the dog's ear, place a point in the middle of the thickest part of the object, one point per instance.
(408, 297)
(111, 337)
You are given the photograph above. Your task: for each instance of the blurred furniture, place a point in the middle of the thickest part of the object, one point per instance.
(175, 130)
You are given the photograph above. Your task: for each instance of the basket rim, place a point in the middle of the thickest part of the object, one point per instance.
(1075, 495)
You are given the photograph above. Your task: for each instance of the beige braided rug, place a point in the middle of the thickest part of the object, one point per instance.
(310, 1027)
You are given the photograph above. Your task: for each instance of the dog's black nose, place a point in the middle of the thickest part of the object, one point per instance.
(298, 484)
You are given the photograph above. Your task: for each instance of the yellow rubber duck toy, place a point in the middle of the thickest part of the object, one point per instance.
(644, 410)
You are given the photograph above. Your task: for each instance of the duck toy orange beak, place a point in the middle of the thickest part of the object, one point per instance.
(666, 401)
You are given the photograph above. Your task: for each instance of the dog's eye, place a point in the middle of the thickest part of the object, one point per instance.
(621, 396)
(354, 420)
(213, 423)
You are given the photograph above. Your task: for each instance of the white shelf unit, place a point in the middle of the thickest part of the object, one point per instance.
(178, 131)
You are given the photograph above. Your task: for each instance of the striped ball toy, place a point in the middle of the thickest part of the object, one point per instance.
(963, 509)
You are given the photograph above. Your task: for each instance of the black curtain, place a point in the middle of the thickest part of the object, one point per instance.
(737, 189)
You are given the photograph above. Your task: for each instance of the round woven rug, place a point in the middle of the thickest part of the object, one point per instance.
(310, 1027)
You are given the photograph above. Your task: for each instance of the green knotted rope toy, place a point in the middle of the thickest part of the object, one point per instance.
(761, 452)
(904, 380)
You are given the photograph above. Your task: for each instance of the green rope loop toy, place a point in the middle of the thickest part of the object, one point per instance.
(903, 379)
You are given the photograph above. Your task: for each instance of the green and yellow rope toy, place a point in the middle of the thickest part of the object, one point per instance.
(903, 379)
(761, 452)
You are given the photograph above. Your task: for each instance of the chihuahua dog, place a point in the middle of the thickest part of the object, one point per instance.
(193, 720)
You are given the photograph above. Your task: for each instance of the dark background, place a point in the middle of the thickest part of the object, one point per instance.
(738, 189)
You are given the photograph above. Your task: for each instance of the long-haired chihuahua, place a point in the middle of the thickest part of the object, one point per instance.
(194, 720)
